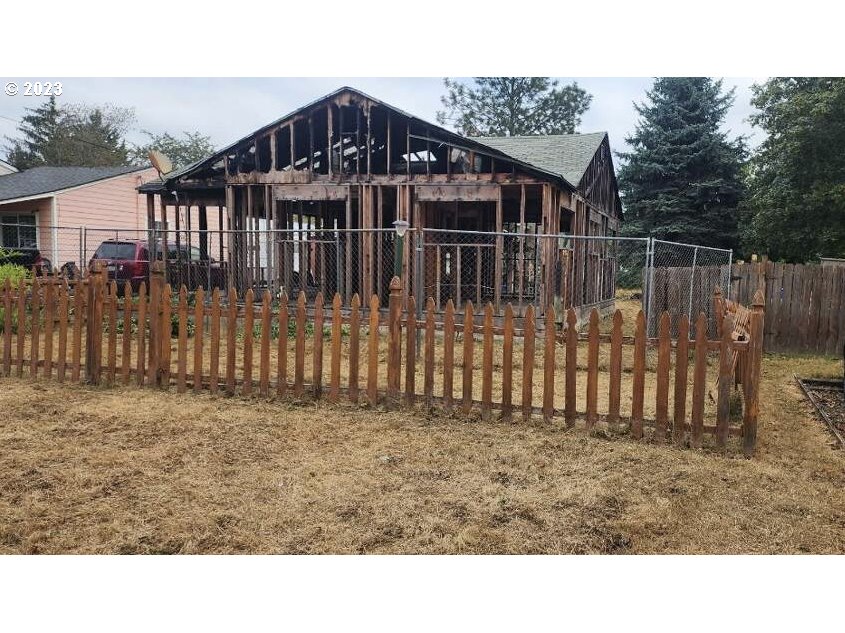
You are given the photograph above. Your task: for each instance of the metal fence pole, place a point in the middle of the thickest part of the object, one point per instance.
(419, 285)
(692, 283)
(339, 270)
(650, 280)
(730, 273)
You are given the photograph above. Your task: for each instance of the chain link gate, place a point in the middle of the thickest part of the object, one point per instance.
(681, 279)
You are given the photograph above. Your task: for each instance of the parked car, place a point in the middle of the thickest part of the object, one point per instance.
(29, 258)
(129, 260)
(126, 260)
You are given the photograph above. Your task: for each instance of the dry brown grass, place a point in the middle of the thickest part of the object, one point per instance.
(125, 470)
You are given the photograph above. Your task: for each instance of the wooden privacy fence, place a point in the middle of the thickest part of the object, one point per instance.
(804, 303)
(607, 376)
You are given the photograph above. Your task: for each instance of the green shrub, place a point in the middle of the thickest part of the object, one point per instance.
(14, 274)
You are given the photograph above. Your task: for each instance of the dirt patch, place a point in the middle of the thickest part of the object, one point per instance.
(89, 470)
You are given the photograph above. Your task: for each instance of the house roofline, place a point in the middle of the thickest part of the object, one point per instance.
(56, 192)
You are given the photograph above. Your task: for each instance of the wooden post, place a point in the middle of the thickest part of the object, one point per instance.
(354, 347)
(681, 369)
(231, 340)
(593, 370)
(615, 371)
(549, 366)
(448, 355)
(499, 256)
(507, 366)
(35, 323)
(199, 334)
(487, 366)
(154, 344)
(334, 375)
(372, 352)
(410, 352)
(394, 341)
(663, 361)
(317, 355)
(94, 338)
(570, 407)
(299, 351)
(165, 331)
(7, 327)
(249, 339)
(528, 364)
(752, 394)
(428, 377)
(718, 310)
(468, 358)
(639, 378)
(182, 349)
(282, 348)
(699, 380)
(723, 406)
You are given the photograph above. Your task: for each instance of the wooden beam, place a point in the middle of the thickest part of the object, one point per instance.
(292, 145)
(330, 137)
(388, 144)
(310, 192)
(310, 142)
(497, 268)
(461, 193)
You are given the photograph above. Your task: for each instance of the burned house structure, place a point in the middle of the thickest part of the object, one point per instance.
(312, 202)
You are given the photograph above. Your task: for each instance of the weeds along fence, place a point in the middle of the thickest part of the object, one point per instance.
(613, 377)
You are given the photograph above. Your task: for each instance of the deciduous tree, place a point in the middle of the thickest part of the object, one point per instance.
(796, 205)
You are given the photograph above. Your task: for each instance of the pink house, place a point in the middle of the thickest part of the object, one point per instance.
(47, 207)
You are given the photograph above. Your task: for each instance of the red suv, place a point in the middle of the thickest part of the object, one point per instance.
(126, 260)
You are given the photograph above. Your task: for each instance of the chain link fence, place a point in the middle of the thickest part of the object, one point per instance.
(521, 269)
(528, 269)
(681, 279)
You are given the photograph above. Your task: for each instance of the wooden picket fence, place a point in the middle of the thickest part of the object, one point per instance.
(805, 304)
(92, 333)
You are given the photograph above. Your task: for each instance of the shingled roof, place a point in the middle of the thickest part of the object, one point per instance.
(46, 180)
(566, 154)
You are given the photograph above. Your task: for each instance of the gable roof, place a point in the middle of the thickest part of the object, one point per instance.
(46, 180)
(448, 135)
(566, 154)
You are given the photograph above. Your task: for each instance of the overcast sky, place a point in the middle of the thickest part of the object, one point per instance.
(228, 109)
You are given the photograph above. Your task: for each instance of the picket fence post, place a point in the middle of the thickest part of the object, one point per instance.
(752, 393)
(154, 312)
(394, 341)
(94, 334)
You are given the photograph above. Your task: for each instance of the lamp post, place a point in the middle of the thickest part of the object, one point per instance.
(401, 227)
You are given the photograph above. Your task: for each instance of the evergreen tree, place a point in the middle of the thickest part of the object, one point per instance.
(683, 179)
(796, 204)
(511, 106)
(76, 135)
(41, 143)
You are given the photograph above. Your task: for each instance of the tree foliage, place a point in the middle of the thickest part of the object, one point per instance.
(71, 134)
(192, 147)
(512, 106)
(796, 205)
(682, 181)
